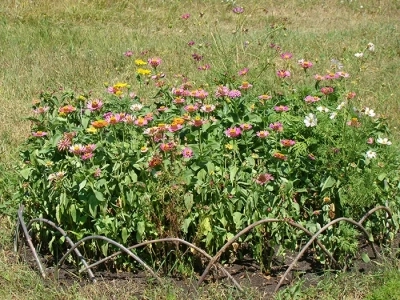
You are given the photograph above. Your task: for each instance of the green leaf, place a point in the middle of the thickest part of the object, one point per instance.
(188, 201)
(237, 219)
(381, 176)
(365, 257)
(99, 195)
(124, 234)
(93, 203)
(72, 211)
(25, 173)
(186, 224)
(329, 182)
(210, 167)
(141, 227)
(104, 248)
(82, 185)
(133, 176)
(205, 226)
(232, 173)
(201, 175)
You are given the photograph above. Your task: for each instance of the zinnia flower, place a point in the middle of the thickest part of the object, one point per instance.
(99, 123)
(277, 126)
(246, 126)
(187, 152)
(264, 178)
(245, 85)
(136, 107)
(281, 108)
(67, 109)
(280, 156)
(370, 154)
(243, 72)
(283, 73)
(288, 143)
(234, 94)
(233, 132)
(95, 104)
(39, 133)
(262, 134)
(41, 110)
(207, 108)
(154, 62)
(142, 71)
(305, 64)
(383, 141)
(310, 120)
(286, 55)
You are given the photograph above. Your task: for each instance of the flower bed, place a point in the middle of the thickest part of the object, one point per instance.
(202, 162)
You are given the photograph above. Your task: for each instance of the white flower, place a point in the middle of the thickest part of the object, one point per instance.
(370, 154)
(384, 141)
(341, 105)
(333, 115)
(322, 109)
(136, 107)
(369, 112)
(310, 120)
(371, 47)
(359, 55)
(337, 63)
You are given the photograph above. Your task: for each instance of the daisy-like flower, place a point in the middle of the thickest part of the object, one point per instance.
(243, 71)
(99, 124)
(87, 156)
(342, 74)
(331, 76)
(162, 108)
(323, 109)
(200, 94)
(246, 126)
(142, 71)
(207, 108)
(287, 143)
(370, 140)
(141, 122)
(56, 176)
(281, 108)
(277, 126)
(129, 119)
(319, 77)
(371, 47)
(91, 129)
(238, 10)
(187, 152)
(341, 105)
(359, 55)
(370, 154)
(39, 133)
(113, 119)
(128, 53)
(167, 147)
(97, 173)
(191, 108)
(41, 110)
(264, 97)
(280, 156)
(149, 117)
(383, 141)
(95, 104)
(245, 85)
(283, 73)
(89, 148)
(262, 134)
(350, 95)
(140, 62)
(222, 91)
(179, 100)
(233, 132)
(305, 64)
(326, 90)
(136, 107)
(311, 99)
(197, 57)
(174, 127)
(310, 120)
(354, 122)
(264, 178)
(197, 122)
(67, 109)
(286, 55)
(233, 94)
(162, 127)
(333, 115)
(178, 120)
(369, 112)
(185, 16)
(64, 144)
(77, 149)
(144, 149)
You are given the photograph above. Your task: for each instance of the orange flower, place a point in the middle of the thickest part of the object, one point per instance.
(99, 123)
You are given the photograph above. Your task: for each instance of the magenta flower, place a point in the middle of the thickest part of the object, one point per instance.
(87, 156)
(262, 134)
(187, 152)
(350, 95)
(233, 132)
(281, 108)
(128, 53)
(174, 127)
(185, 16)
(277, 126)
(39, 133)
(326, 90)
(114, 119)
(162, 109)
(89, 148)
(179, 100)
(191, 108)
(64, 144)
(283, 73)
(246, 126)
(311, 99)
(264, 178)
(243, 71)
(234, 94)
(287, 143)
(95, 104)
(238, 10)
(286, 55)
(199, 94)
(191, 43)
(332, 76)
(141, 122)
(154, 62)
(222, 91)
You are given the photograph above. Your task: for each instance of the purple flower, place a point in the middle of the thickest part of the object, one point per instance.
(234, 94)
(238, 10)
(187, 152)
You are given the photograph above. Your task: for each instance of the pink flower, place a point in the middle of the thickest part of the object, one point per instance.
(129, 119)
(370, 141)
(185, 16)
(191, 43)
(222, 91)
(246, 126)
(287, 143)
(95, 104)
(128, 53)
(311, 99)
(281, 108)
(283, 73)
(197, 57)
(191, 108)
(113, 119)
(77, 149)
(277, 126)
(234, 94)
(233, 132)
(89, 148)
(140, 122)
(332, 76)
(39, 133)
(197, 122)
(207, 108)
(174, 127)
(204, 67)
(326, 90)
(199, 94)
(167, 147)
(187, 152)
(243, 71)
(238, 10)
(280, 156)
(286, 55)
(311, 156)
(179, 100)
(149, 117)
(154, 62)
(64, 144)
(319, 77)
(41, 110)
(305, 64)
(162, 108)
(350, 95)
(245, 85)
(342, 74)
(66, 109)
(262, 134)
(264, 178)
(97, 173)
(87, 156)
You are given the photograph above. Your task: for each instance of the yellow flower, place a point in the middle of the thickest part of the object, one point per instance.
(229, 146)
(81, 98)
(91, 129)
(140, 62)
(141, 71)
(120, 85)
